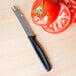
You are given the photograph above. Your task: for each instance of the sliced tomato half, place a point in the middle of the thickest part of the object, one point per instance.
(73, 10)
(73, 1)
(63, 1)
(72, 6)
(62, 22)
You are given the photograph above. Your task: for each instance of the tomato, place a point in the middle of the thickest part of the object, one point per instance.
(62, 22)
(63, 1)
(44, 12)
(73, 1)
(72, 6)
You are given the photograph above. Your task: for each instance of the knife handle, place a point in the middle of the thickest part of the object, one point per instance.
(39, 53)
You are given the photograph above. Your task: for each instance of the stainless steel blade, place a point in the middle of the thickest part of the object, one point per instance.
(22, 21)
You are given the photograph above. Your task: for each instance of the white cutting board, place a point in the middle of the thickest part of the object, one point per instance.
(18, 58)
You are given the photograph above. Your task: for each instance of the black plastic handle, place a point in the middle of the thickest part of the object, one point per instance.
(39, 53)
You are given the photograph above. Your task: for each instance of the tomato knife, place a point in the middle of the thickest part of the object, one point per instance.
(31, 37)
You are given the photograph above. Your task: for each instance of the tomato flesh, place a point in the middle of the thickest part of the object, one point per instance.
(73, 1)
(62, 22)
(72, 6)
(50, 12)
(73, 10)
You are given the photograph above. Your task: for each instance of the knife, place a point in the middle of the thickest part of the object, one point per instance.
(31, 37)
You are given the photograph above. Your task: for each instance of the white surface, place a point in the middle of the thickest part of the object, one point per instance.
(17, 57)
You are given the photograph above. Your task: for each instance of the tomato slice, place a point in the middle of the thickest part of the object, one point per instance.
(72, 6)
(62, 22)
(63, 1)
(73, 1)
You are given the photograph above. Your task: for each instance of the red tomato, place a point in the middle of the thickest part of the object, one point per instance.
(62, 22)
(63, 1)
(73, 9)
(73, 1)
(44, 12)
(72, 6)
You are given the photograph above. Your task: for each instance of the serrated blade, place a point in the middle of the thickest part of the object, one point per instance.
(22, 21)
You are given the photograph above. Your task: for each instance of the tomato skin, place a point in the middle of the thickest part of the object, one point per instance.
(62, 22)
(50, 10)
